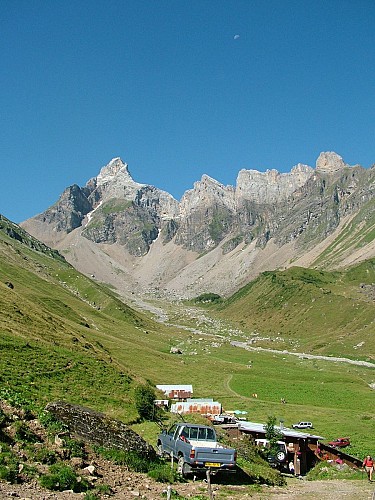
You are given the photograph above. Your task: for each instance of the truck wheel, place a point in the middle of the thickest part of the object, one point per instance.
(280, 456)
(182, 467)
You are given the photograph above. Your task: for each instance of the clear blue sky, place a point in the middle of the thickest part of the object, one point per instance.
(168, 86)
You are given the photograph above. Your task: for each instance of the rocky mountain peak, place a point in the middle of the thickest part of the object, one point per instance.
(205, 192)
(114, 181)
(116, 167)
(329, 162)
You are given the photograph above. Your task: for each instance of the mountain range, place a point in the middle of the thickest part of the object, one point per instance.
(216, 238)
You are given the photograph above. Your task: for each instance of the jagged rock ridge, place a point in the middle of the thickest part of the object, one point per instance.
(268, 220)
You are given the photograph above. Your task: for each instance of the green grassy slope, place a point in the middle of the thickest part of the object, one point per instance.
(305, 310)
(63, 336)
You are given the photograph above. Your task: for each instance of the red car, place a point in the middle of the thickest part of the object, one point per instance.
(340, 442)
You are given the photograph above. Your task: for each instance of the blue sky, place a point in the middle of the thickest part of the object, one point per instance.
(168, 86)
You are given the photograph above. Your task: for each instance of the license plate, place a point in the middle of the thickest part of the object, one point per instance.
(211, 464)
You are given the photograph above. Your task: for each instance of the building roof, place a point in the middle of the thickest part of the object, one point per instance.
(285, 431)
(200, 400)
(176, 387)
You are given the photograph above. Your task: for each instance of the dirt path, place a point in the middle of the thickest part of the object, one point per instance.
(322, 490)
(302, 355)
(131, 485)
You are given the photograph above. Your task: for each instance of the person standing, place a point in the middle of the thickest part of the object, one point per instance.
(368, 465)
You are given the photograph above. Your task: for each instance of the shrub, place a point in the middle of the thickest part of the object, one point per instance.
(144, 397)
(8, 465)
(273, 435)
(91, 496)
(62, 477)
(76, 448)
(50, 423)
(163, 473)
(104, 489)
(29, 471)
(45, 456)
(24, 433)
(208, 298)
(130, 459)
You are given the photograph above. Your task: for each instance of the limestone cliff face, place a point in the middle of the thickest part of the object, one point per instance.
(294, 211)
(271, 187)
(206, 215)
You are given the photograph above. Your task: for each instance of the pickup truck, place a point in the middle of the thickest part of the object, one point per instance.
(340, 442)
(196, 449)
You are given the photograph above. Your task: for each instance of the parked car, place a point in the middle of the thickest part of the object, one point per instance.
(303, 425)
(278, 459)
(340, 442)
(224, 419)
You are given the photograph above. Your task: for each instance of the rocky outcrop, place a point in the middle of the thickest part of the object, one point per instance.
(271, 186)
(97, 428)
(68, 213)
(206, 215)
(329, 162)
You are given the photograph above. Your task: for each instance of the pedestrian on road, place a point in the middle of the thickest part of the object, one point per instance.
(368, 465)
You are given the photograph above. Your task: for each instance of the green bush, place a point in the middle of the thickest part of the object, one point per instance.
(163, 473)
(211, 298)
(62, 477)
(103, 489)
(24, 433)
(144, 397)
(132, 460)
(45, 456)
(91, 496)
(76, 448)
(29, 471)
(50, 423)
(8, 465)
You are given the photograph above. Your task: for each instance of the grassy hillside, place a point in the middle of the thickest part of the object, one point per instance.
(63, 336)
(305, 310)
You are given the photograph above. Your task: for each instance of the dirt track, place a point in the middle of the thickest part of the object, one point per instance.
(130, 486)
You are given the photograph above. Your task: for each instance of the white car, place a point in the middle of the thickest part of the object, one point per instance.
(303, 425)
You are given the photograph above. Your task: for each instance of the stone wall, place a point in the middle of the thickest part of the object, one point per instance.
(96, 428)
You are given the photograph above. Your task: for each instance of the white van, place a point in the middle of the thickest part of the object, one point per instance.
(303, 425)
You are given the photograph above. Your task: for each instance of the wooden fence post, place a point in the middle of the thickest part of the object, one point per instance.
(209, 489)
